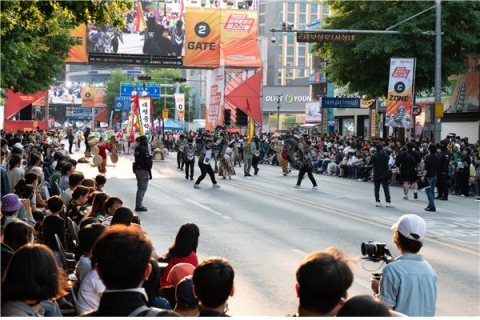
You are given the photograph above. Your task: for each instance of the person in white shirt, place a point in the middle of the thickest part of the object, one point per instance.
(87, 236)
(90, 292)
(15, 172)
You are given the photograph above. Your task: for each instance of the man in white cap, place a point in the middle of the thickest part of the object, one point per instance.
(409, 284)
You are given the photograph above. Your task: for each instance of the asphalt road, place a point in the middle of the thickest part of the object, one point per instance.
(265, 228)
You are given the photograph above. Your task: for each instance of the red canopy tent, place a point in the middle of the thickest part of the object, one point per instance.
(247, 97)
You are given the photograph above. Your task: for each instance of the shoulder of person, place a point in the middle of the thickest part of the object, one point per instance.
(156, 312)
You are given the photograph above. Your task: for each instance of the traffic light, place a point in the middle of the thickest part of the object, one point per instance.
(242, 118)
(228, 117)
(180, 79)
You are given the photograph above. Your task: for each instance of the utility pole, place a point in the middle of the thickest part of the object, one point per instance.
(438, 69)
(279, 96)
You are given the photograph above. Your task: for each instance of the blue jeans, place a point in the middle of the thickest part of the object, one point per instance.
(432, 181)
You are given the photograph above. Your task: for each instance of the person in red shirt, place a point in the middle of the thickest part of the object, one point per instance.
(183, 250)
(103, 147)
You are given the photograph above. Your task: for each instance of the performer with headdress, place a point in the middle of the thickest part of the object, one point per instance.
(204, 164)
(103, 146)
(180, 143)
(189, 158)
(226, 164)
(305, 165)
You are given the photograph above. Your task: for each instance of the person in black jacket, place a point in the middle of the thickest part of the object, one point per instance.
(430, 174)
(380, 176)
(443, 171)
(143, 171)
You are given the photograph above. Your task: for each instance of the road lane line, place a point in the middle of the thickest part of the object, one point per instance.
(209, 209)
(438, 209)
(357, 280)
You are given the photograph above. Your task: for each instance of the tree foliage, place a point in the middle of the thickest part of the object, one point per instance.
(35, 37)
(363, 66)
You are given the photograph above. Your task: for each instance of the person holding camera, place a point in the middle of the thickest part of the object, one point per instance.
(409, 283)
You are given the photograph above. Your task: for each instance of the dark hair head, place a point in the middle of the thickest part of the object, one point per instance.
(100, 179)
(405, 243)
(410, 145)
(57, 156)
(186, 241)
(123, 215)
(66, 167)
(33, 274)
(136, 219)
(432, 148)
(89, 234)
(34, 159)
(15, 160)
(364, 306)
(55, 204)
(213, 281)
(122, 254)
(90, 183)
(30, 177)
(98, 204)
(323, 279)
(17, 234)
(111, 201)
(23, 190)
(75, 179)
(152, 285)
(79, 192)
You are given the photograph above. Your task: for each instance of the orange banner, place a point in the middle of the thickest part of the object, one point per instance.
(239, 39)
(202, 37)
(78, 53)
(93, 98)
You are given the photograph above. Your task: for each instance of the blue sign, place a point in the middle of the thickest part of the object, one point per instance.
(83, 110)
(122, 104)
(152, 88)
(350, 103)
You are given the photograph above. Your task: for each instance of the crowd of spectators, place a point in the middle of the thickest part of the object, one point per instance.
(63, 236)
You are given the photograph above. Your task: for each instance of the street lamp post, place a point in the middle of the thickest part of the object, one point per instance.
(278, 110)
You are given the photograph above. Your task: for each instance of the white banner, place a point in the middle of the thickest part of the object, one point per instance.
(400, 92)
(180, 105)
(215, 98)
(144, 115)
(314, 113)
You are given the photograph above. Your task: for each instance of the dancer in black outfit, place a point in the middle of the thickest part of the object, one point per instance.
(204, 164)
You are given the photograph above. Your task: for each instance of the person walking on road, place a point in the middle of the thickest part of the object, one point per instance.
(70, 137)
(143, 171)
(430, 174)
(380, 176)
(307, 166)
(443, 171)
(408, 162)
(248, 150)
(204, 165)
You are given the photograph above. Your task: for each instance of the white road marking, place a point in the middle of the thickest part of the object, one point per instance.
(209, 209)
(438, 209)
(357, 280)
(334, 181)
(259, 179)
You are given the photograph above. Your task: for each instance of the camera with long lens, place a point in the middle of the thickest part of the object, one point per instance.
(376, 252)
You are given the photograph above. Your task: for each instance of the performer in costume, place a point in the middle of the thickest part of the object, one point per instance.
(181, 143)
(256, 155)
(204, 164)
(103, 147)
(305, 165)
(226, 164)
(189, 158)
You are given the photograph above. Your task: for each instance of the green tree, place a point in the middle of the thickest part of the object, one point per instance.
(363, 66)
(112, 88)
(35, 37)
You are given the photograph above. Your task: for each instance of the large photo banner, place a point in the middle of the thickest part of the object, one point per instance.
(93, 98)
(313, 112)
(400, 91)
(78, 54)
(202, 36)
(215, 99)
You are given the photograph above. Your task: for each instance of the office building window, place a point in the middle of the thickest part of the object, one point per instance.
(302, 18)
(291, 7)
(290, 39)
(301, 62)
(291, 18)
(289, 61)
(303, 7)
(314, 8)
(325, 9)
(290, 50)
(301, 51)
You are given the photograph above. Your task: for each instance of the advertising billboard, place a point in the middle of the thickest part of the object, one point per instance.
(93, 98)
(400, 87)
(78, 54)
(290, 99)
(61, 94)
(153, 28)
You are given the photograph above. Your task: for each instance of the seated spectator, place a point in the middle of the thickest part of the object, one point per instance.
(74, 181)
(101, 180)
(212, 285)
(122, 256)
(183, 250)
(11, 205)
(15, 171)
(187, 304)
(177, 273)
(152, 288)
(76, 209)
(91, 287)
(54, 224)
(89, 183)
(57, 174)
(323, 279)
(97, 211)
(111, 205)
(67, 171)
(15, 235)
(32, 276)
(363, 306)
(87, 237)
(123, 215)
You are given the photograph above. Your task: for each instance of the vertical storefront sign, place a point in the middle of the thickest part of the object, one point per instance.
(215, 98)
(400, 89)
(180, 105)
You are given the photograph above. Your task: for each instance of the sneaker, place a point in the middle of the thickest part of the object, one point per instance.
(390, 205)
(430, 209)
(141, 209)
(215, 186)
(197, 186)
(405, 198)
(296, 187)
(378, 204)
(191, 178)
(415, 195)
(359, 180)
(315, 188)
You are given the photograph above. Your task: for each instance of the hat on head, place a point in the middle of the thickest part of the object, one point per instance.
(10, 203)
(412, 227)
(457, 146)
(180, 271)
(184, 294)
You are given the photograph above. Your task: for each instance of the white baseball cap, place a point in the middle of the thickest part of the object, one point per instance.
(411, 226)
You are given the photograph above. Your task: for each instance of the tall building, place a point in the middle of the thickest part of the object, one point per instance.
(287, 59)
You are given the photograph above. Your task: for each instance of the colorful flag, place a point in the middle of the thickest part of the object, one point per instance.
(251, 124)
(141, 24)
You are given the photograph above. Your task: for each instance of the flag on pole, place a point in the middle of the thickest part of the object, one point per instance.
(251, 124)
(140, 23)
(182, 10)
